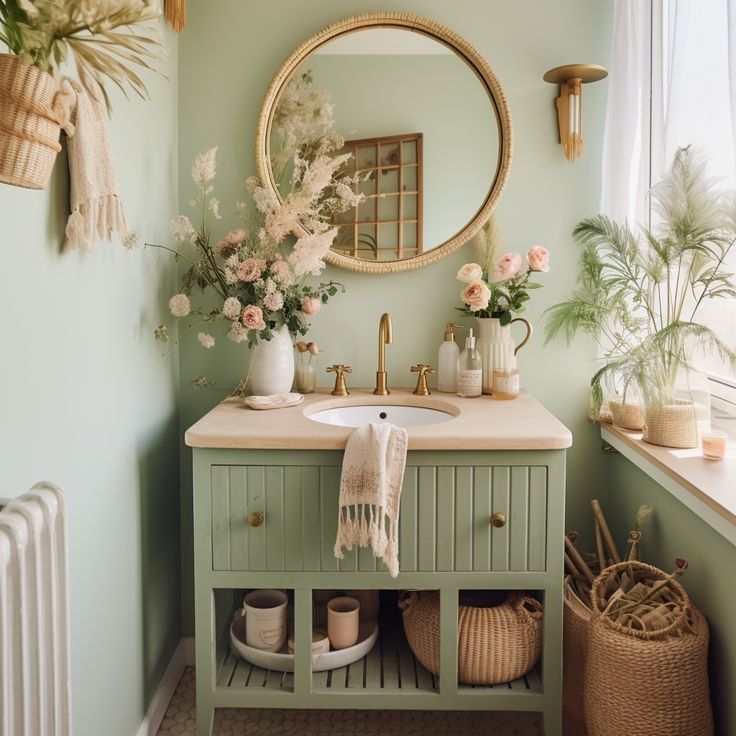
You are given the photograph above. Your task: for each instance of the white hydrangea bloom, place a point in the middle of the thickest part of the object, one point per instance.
(205, 340)
(179, 305)
(273, 300)
(231, 308)
(237, 333)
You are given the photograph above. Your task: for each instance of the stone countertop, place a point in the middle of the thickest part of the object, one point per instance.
(483, 423)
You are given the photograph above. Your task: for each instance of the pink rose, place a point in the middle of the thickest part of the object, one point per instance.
(249, 270)
(470, 272)
(253, 318)
(281, 270)
(538, 258)
(225, 249)
(508, 266)
(311, 305)
(236, 237)
(476, 295)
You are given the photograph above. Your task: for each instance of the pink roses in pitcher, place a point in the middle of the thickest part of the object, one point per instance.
(500, 287)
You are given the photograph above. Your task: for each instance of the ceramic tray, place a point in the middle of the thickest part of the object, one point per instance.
(284, 662)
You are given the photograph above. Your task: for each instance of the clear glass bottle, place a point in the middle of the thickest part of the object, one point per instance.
(470, 370)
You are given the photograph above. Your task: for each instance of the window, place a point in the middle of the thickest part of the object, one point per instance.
(673, 83)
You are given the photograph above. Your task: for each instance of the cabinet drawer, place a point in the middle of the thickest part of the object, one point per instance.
(444, 525)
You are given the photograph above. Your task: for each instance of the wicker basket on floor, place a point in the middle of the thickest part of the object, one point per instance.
(647, 682)
(496, 643)
(30, 123)
(576, 630)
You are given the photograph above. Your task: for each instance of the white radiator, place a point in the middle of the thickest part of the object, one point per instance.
(34, 615)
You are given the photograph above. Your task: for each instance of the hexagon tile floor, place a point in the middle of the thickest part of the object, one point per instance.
(180, 721)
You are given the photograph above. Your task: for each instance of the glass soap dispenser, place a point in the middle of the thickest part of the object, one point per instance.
(470, 370)
(447, 361)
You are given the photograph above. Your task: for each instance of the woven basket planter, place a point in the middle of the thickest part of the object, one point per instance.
(626, 416)
(495, 644)
(671, 425)
(653, 683)
(30, 123)
(576, 632)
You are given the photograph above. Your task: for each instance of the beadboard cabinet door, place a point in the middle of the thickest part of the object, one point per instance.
(445, 522)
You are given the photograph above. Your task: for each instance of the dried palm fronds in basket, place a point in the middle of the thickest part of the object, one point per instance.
(647, 654)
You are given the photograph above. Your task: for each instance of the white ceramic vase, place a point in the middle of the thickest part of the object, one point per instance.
(272, 364)
(496, 346)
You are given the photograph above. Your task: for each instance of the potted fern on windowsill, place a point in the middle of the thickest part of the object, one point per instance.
(40, 36)
(638, 295)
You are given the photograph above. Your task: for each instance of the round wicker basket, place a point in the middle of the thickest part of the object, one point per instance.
(576, 629)
(496, 643)
(647, 682)
(671, 425)
(30, 123)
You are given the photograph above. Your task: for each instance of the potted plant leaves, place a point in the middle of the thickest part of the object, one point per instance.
(40, 37)
(639, 295)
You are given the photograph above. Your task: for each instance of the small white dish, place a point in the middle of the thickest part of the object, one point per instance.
(284, 662)
(275, 401)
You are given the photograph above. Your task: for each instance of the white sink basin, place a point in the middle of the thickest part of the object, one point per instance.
(399, 415)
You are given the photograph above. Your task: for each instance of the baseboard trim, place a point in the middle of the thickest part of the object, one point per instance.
(183, 657)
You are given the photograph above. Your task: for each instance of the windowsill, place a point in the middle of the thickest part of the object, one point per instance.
(706, 487)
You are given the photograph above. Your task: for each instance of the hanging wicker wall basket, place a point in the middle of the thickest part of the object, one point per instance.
(31, 118)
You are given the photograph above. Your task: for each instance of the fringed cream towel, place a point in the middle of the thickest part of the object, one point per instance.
(96, 209)
(370, 492)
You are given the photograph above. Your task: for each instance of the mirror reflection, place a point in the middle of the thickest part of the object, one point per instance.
(420, 128)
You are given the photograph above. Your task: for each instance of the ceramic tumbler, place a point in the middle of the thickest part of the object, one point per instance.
(369, 602)
(265, 619)
(343, 621)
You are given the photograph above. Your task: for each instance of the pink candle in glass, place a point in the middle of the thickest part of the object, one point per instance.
(714, 444)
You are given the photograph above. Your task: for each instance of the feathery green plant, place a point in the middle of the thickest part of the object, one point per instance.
(639, 296)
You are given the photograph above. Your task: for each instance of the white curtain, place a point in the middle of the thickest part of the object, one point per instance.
(672, 83)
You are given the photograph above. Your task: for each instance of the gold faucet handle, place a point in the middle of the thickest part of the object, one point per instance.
(339, 369)
(422, 369)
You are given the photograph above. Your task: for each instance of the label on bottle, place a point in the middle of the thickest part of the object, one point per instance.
(506, 383)
(469, 383)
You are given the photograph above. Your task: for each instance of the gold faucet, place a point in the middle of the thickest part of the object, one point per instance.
(384, 338)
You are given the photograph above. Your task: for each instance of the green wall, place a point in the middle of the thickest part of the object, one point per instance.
(89, 403)
(675, 531)
(227, 60)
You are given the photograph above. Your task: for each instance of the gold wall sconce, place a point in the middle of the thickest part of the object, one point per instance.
(571, 78)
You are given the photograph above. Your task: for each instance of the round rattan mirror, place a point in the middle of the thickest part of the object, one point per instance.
(426, 123)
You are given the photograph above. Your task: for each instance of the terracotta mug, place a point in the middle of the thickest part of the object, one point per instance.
(343, 621)
(265, 619)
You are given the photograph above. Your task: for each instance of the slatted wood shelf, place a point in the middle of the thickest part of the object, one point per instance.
(389, 668)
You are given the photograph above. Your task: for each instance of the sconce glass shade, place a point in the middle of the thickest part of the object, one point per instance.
(571, 78)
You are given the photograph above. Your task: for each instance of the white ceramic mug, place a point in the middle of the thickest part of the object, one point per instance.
(265, 619)
(343, 621)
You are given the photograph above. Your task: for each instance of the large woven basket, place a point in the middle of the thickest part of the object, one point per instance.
(639, 682)
(30, 123)
(576, 631)
(495, 643)
(671, 425)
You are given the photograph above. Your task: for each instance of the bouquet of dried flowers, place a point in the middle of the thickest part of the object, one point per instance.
(258, 283)
(96, 33)
(498, 286)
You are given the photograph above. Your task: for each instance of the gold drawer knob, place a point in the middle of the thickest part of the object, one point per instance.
(255, 518)
(498, 519)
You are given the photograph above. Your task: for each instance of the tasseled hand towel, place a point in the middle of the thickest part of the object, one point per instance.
(96, 209)
(370, 492)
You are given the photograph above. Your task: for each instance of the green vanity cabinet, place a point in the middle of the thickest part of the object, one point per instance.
(446, 542)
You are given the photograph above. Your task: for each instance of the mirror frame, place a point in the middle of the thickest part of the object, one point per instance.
(477, 64)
